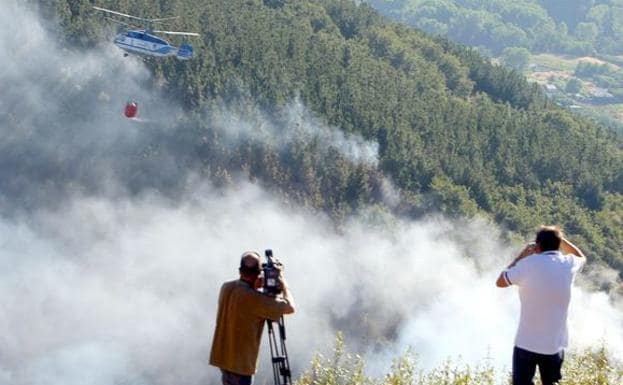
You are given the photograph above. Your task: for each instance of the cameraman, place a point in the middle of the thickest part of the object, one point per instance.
(242, 312)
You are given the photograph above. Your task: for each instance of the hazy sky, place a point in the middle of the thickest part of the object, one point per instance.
(102, 284)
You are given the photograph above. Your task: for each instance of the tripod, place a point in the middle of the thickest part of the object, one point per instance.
(279, 354)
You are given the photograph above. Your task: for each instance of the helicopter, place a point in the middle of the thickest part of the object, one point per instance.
(144, 42)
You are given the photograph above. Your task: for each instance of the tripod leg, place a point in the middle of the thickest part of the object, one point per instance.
(285, 364)
(273, 351)
(279, 354)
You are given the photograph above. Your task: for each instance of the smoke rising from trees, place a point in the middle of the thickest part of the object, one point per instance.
(104, 277)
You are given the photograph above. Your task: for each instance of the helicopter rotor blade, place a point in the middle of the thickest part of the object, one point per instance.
(178, 33)
(120, 14)
(163, 19)
(120, 22)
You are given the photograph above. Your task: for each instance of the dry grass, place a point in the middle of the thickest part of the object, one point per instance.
(564, 62)
(546, 76)
(342, 368)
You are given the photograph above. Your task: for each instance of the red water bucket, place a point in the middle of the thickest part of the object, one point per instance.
(131, 109)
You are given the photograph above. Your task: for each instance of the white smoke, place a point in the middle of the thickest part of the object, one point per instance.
(293, 122)
(127, 289)
(61, 114)
(118, 288)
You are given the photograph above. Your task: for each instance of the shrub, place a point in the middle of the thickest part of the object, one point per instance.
(590, 367)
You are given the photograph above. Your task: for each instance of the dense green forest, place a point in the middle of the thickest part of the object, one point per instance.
(577, 27)
(537, 38)
(456, 133)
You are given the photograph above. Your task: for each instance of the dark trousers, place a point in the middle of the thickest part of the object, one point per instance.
(230, 378)
(525, 363)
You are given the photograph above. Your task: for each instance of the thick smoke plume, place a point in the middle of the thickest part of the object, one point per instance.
(125, 290)
(110, 280)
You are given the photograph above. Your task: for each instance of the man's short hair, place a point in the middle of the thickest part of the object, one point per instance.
(549, 237)
(250, 263)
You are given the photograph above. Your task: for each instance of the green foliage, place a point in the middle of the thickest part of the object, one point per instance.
(593, 368)
(341, 369)
(452, 199)
(586, 31)
(603, 75)
(576, 27)
(586, 69)
(516, 57)
(456, 133)
(574, 85)
(585, 368)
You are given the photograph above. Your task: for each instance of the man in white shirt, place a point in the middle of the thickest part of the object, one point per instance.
(544, 272)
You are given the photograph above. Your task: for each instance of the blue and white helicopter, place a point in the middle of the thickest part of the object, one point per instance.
(143, 42)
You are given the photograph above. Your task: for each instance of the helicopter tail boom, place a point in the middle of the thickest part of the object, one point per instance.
(184, 52)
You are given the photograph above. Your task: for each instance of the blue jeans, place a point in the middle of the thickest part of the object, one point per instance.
(230, 378)
(525, 363)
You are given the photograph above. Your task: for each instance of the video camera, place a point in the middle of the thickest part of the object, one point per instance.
(272, 274)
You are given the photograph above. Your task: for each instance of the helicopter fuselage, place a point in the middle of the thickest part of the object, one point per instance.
(145, 44)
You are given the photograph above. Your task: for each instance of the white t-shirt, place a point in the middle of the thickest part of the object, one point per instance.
(544, 282)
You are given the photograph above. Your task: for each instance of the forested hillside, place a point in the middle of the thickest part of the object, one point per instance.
(578, 27)
(456, 134)
(571, 48)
